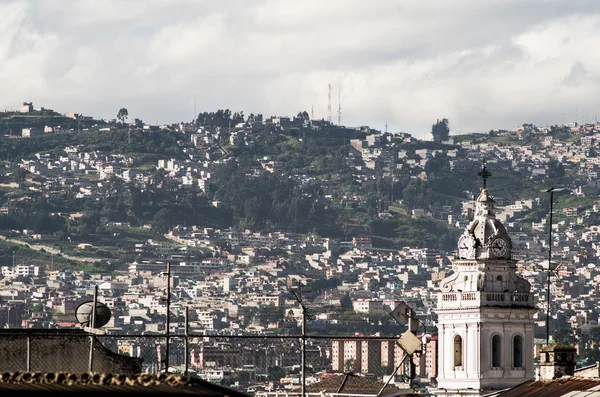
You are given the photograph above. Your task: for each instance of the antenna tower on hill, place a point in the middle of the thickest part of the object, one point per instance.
(329, 105)
(340, 104)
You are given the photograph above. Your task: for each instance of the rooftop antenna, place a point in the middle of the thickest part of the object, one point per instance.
(386, 127)
(312, 112)
(195, 114)
(329, 105)
(340, 104)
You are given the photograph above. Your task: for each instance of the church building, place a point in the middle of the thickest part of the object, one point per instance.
(485, 311)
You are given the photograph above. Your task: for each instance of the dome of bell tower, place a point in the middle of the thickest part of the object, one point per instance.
(485, 237)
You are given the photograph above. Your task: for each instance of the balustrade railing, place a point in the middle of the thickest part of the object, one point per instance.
(465, 299)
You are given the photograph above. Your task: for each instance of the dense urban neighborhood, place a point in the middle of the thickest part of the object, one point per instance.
(261, 224)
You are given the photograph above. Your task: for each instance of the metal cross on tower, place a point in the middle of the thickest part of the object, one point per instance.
(484, 174)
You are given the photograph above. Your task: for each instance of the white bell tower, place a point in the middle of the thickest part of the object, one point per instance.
(485, 311)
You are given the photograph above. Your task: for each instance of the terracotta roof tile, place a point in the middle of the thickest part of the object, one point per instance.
(86, 383)
(556, 388)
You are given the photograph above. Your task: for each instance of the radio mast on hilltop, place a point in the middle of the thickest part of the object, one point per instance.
(340, 104)
(329, 105)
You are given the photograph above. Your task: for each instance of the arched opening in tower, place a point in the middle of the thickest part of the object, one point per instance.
(496, 351)
(458, 351)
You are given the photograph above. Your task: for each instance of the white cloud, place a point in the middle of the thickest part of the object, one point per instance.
(483, 65)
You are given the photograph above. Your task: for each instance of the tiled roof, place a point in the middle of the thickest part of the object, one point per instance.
(350, 383)
(557, 388)
(26, 383)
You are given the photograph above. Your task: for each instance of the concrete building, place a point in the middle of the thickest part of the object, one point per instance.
(362, 356)
(31, 132)
(27, 107)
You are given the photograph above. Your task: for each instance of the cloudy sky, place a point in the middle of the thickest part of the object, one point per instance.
(482, 64)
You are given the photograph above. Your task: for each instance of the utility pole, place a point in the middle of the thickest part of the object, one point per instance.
(168, 325)
(305, 314)
(551, 191)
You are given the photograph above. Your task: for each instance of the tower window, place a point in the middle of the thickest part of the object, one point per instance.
(496, 351)
(499, 278)
(518, 352)
(458, 351)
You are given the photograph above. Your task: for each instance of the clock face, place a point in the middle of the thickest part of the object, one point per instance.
(466, 245)
(499, 247)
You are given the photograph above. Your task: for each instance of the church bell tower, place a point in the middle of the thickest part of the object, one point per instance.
(485, 311)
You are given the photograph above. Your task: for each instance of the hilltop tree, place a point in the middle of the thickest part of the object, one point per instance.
(440, 130)
(122, 115)
(304, 116)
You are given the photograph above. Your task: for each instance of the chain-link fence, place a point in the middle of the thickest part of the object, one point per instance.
(253, 363)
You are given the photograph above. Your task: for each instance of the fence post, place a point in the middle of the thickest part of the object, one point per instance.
(168, 324)
(186, 341)
(303, 351)
(28, 353)
(92, 324)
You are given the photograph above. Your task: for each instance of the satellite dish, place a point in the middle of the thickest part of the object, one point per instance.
(83, 314)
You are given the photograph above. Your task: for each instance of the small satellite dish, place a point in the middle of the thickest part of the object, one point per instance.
(83, 314)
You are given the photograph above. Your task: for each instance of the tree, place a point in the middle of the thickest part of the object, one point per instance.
(122, 115)
(276, 373)
(349, 365)
(440, 130)
(555, 169)
(346, 302)
(19, 174)
(161, 221)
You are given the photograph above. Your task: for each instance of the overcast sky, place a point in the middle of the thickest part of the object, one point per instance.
(481, 64)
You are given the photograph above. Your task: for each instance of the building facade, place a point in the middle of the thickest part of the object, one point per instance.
(485, 312)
